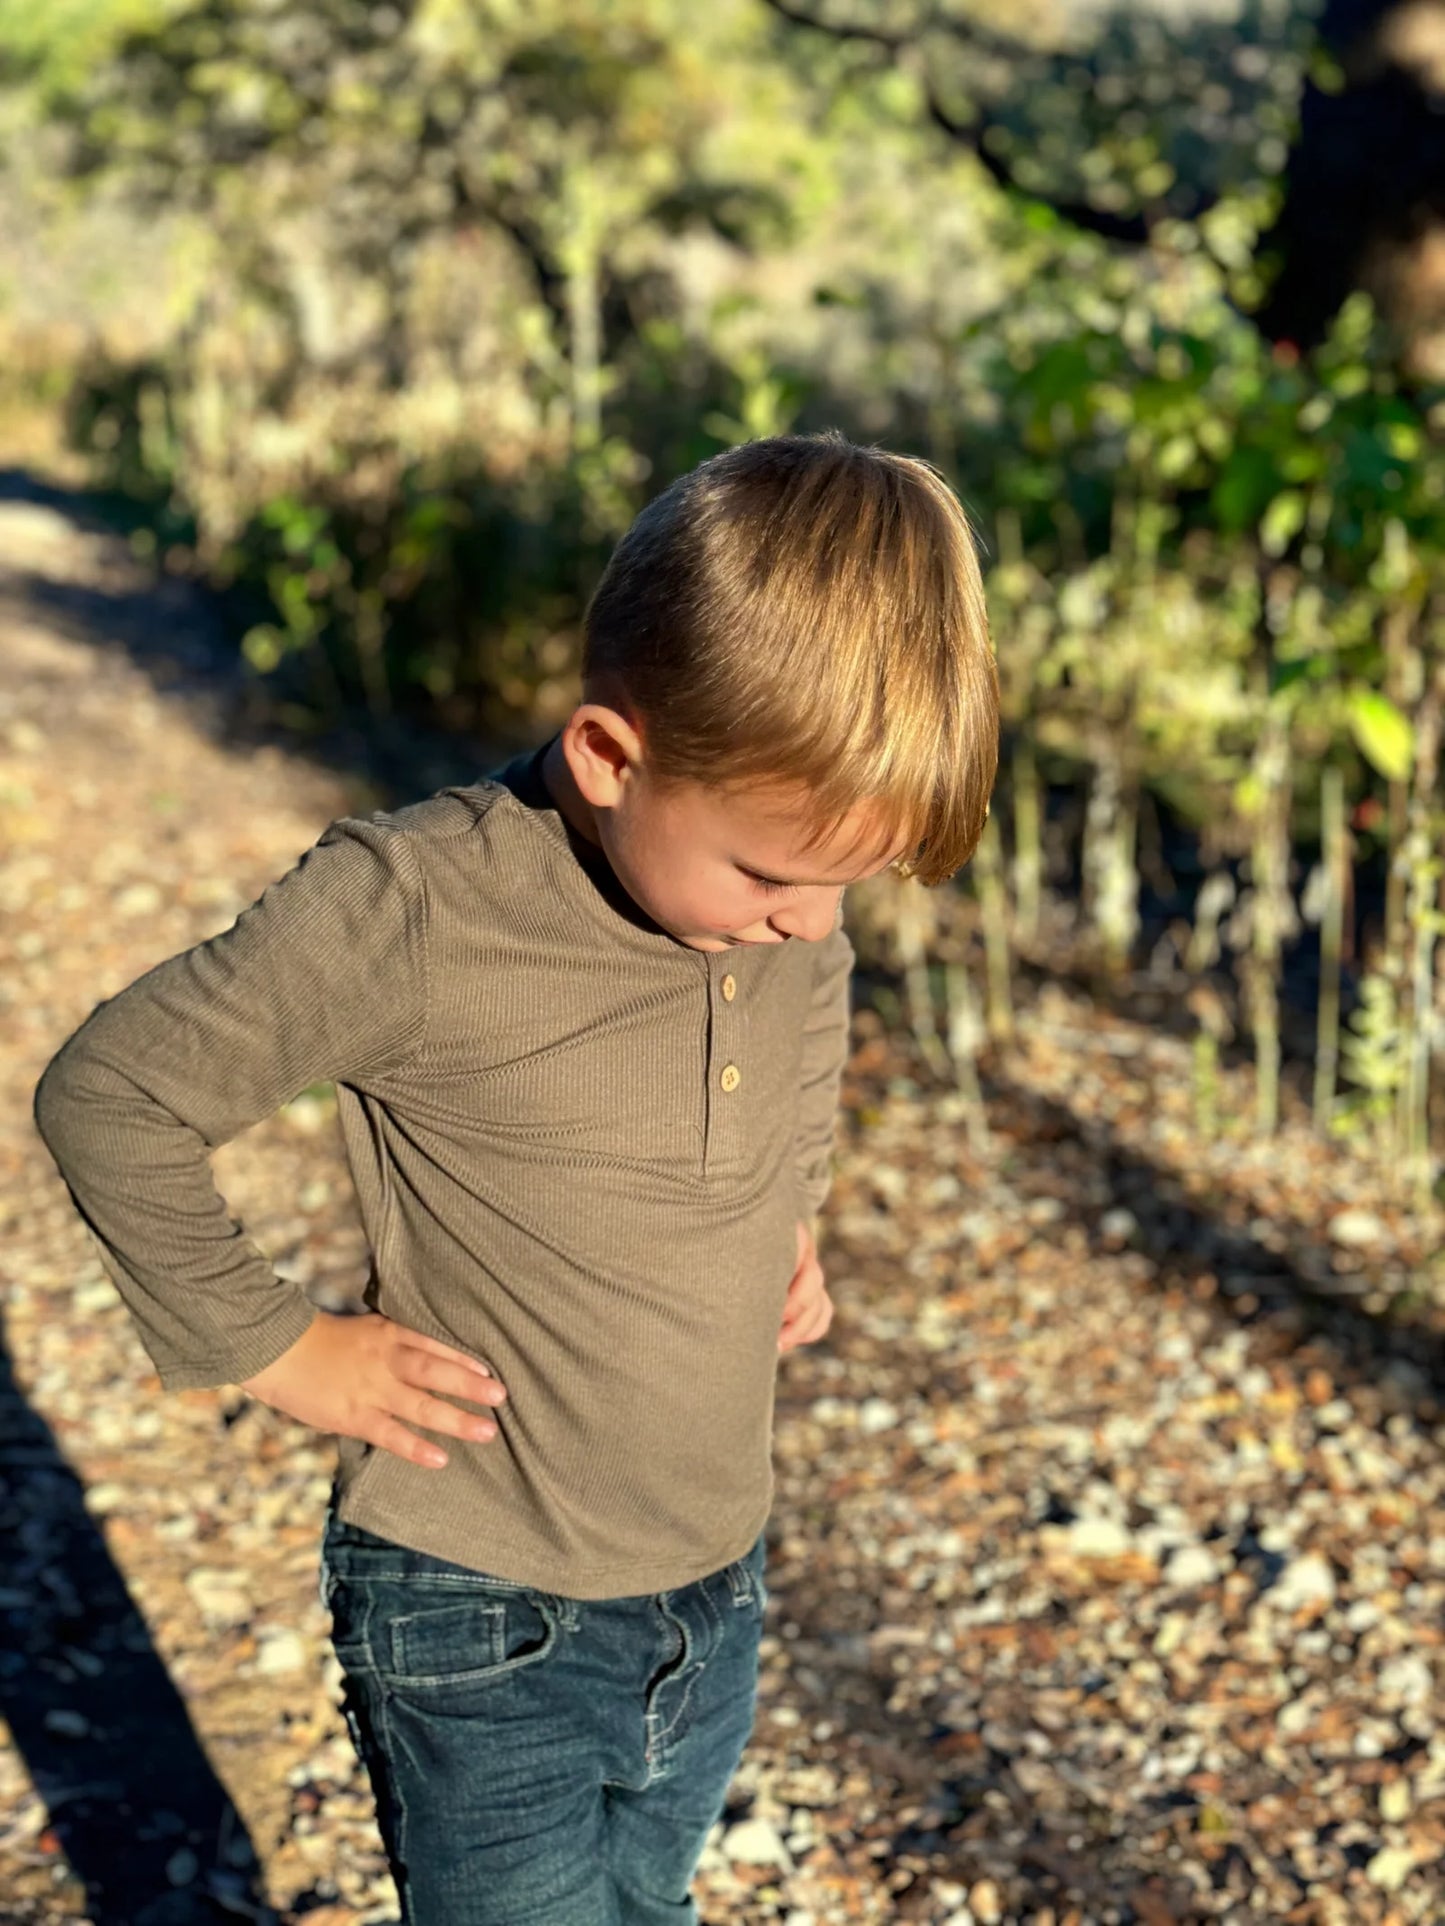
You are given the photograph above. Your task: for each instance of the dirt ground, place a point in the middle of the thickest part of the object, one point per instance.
(1106, 1563)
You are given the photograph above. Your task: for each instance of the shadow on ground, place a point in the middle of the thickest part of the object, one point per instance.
(136, 1811)
(173, 631)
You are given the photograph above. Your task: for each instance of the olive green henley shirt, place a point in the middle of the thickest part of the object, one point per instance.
(580, 1150)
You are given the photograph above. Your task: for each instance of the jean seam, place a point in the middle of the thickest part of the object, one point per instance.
(692, 1673)
(398, 1804)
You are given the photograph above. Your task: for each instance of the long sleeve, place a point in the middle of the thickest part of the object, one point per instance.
(825, 1051)
(323, 978)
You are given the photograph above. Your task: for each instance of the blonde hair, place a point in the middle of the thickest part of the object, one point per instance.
(804, 610)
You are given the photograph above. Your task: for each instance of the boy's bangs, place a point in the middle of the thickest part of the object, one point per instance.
(803, 613)
(936, 804)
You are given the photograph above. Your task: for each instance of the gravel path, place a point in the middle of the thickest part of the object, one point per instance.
(1106, 1570)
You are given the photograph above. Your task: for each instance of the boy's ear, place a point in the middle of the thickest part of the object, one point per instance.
(603, 748)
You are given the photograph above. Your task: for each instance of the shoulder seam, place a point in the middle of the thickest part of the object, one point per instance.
(420, 874)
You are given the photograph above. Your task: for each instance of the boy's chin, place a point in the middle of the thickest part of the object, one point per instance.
(713, 944)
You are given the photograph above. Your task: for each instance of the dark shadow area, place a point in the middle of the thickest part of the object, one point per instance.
(1291, 1298)
(136, 1810)
(193, 659)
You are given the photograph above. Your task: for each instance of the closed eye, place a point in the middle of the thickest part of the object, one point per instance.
(765, 884)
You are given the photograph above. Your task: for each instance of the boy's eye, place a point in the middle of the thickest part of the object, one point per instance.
(776, 889)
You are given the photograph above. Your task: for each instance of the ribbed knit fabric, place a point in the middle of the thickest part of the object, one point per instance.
(553, 1171)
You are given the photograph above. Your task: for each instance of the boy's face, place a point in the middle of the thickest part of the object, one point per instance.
(700, 860)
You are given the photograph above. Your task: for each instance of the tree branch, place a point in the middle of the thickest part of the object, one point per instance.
(798, 17)
(1131, 230)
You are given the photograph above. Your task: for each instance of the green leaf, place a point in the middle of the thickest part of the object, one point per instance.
(1284, 674)
(1382, 734)
(1282, 521)
(1245, 485)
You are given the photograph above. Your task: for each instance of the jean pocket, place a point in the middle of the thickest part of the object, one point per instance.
(439, 1641)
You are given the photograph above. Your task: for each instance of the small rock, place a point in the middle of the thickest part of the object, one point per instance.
(1356, 1228)
(1395, 1802)
(137, 899)
(219, 1596)
(1294, 1718)
(1096, 1538)
(756, 1842)
(1118, 1226)
(1191, 1565)
(98, 1295)
(1044, 1210)
(1390, 1868)
(876, 1414)
(1405, 1680)
(107, 1496)
(1174, 1628)
(1307, 1580)
(182, 1867)
(283, 1651)
(984, 1902)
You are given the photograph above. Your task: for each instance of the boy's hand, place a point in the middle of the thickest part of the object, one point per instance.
(809, 1309)
(362, 1375)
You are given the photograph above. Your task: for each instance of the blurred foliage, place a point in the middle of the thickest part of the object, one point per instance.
(449, 287)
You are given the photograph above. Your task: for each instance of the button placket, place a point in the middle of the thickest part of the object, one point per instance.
(724, 1071)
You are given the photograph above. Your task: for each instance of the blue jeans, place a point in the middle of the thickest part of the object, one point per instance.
(540, 1760)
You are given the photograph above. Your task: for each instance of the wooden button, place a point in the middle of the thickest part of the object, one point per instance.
(729, 987)
(731, 1076)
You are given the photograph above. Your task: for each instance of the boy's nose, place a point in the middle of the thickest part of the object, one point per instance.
(811, 919)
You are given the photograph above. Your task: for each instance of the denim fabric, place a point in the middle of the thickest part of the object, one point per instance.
(540, 1760)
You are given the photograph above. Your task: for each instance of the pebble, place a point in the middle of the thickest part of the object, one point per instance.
(876, 1414)
(137, 899)
(100, 1295)
(1396, 1803)
(1356, 1229)
(1307, 1580)
(219, 1596)
(1391, 1867)
(755, 1842)
(283, 1651)
(1116, 1226)
(1405, 1680)
(182, 1867)
(984, 1903)
(1191, 1565)
(1098, 1538)
(70, 1725)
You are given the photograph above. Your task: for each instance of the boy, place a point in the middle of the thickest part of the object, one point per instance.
(589, 1138)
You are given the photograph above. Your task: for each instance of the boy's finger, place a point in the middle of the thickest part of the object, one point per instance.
(391, 1435)
(431, 1373)
(435, 1414)
(440, 1350)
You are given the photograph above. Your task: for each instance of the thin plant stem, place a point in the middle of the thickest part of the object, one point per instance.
(1333, 858)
